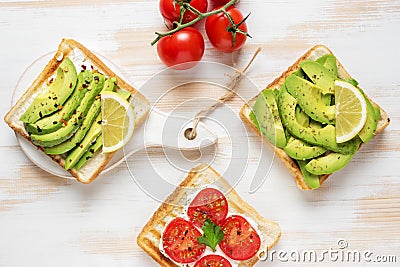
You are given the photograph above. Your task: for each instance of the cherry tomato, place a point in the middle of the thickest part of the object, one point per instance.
(213, 261)
(180, 241)
(219, 37)
(221, 2)
(171, 11)
(208, 203)
(186, 45)
(241, 241)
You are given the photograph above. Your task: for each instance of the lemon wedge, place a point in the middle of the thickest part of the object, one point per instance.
(118, 121)
(351, 111)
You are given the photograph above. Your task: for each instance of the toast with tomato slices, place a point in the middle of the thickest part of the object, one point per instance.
(176, 208)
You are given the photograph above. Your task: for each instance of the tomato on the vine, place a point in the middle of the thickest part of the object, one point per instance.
(220, 37)
(221, 2)
(171, 11)
(184, 46)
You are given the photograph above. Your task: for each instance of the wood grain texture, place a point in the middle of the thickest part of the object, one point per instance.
(60, 222)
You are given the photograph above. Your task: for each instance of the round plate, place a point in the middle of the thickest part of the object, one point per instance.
(28, 76)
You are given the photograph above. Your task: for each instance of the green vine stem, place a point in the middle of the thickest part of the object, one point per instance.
(186, 6)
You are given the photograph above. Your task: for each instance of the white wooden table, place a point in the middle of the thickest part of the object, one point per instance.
(48, 221)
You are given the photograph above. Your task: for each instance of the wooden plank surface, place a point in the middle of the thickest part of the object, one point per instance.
(47, 221)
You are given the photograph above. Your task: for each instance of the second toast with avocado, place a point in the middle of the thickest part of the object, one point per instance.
(304, 134)
(60, 112)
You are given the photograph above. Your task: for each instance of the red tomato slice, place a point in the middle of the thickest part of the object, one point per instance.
(241, 241)
(208, 203)
(213, 261)
(180, 241)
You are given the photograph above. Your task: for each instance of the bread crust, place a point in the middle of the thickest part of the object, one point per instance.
(173, 206)
(65, 48)
(291, 164)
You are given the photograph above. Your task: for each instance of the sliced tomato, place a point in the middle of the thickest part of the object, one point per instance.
(241, 241)
(180, 241)
(213, 261)
(209, 203)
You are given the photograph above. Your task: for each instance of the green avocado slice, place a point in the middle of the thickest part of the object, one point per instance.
(310, 99)
(56, 120)
(109, 85)
(302, 117)
(319, 75)
(55, 95)
(86, 149)
(325, 137)
(368, 131)
(91, 136)
(94, 147)
(329, 62)
(267, 116)
(65, 133)
(328, 164)
(311, 180)
(377, 112)
(300, 150)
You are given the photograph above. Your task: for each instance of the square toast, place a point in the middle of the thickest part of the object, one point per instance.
(312, 54)
(79, 56)
(197, 179)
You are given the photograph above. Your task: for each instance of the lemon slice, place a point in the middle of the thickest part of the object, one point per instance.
(118, 121)
(351, 111)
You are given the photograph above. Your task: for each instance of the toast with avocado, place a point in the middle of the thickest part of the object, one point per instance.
(60, 113)
(204, 198)
(315, 116)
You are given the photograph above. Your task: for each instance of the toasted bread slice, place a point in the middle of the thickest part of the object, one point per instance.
(80, 56)
(174, 206)
(312, 54)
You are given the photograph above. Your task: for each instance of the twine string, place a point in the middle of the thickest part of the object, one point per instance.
(232, 87)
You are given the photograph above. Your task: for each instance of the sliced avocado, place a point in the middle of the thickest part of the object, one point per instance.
(302, 117)
(368, 131)
(330, 65)
(267, 115)
(325, 137)
(300, 73)
(65, 133)
(74, 156)
(56, 120)
(125, 94)
(300, 150)
(352, 81)
(322, 59)
(311, 180)
(319, 75)
(310, 99)
(287, 108)
(328, 164)
(377, 112)
(276, 93)
(55, 95)
(329, 62)
(95, 146)
(254, 120)
(94, 110)
(316, 124)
